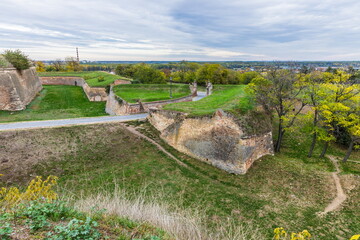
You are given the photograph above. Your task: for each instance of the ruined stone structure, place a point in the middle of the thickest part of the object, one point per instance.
(193, 88)
(94, 94)
(118, 106)
(222, 140)
(209, 88)
(18, 88)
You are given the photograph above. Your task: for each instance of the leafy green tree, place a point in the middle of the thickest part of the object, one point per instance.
(17, 59)
(247, 77)
(338, 106)
(215, 73)
(280, 90)
(146, 74)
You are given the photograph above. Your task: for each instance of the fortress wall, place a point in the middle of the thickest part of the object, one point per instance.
(219, 140)
(117, 106)
(94, 94)
(18, 88)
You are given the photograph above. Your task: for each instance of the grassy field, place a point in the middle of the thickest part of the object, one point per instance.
(286, 190)
(150, 92)
(57, 102)
(92, 78)
(226, 97)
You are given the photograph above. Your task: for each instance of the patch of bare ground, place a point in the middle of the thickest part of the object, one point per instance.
(22, 149)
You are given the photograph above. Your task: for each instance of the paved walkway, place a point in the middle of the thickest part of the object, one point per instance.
(67, 122)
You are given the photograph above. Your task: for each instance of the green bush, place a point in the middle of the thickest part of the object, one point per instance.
(18, 59)
(4, 63)
(101, 79)
(76, 230)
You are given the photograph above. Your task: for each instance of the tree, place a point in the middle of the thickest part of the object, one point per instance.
(40, 66)
(58, 65)
(247, 77)
(72, 65)
(146, 74)
(215, 73)
(17, 59)
(280, 90)
(338, 106)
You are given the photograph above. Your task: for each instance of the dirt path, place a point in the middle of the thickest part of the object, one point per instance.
(134, 131)
(340, 195)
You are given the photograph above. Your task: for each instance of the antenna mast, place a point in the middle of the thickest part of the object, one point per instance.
(77, 55)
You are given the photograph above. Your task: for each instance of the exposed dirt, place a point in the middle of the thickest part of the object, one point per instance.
(340, 194)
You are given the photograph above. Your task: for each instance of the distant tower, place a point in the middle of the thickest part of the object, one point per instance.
(77, 55)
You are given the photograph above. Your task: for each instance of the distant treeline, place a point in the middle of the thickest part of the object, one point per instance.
(184, 72)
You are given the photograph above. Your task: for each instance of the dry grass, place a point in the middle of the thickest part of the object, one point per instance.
(178, 222)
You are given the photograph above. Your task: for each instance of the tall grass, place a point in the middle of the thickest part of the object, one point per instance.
(179, 222)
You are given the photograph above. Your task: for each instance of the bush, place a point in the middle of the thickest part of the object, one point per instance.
(76, 229)
(18, 59)
(4, 63)
(101, 79)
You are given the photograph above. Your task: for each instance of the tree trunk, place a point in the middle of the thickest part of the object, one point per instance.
(314, 135)
(324, 149)
(349, 150)
(312, 145)
(279, 140)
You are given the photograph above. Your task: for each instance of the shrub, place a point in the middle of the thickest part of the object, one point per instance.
(76, 229)
(37, 189)
(101, 79)
(18, 59)
(4, 63)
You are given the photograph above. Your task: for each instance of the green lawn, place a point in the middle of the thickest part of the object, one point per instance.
(92, 78)
(226, 97)
(150, 92)
(57, 102)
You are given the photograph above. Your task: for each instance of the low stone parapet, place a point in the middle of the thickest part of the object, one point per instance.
(118, 106)
(94, 94)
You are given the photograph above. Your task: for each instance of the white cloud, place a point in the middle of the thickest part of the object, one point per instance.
(183, 29)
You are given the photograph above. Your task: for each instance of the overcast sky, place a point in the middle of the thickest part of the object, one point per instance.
(183, 29)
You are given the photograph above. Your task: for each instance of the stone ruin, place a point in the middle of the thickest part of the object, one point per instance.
(227, 142)
(18, 88)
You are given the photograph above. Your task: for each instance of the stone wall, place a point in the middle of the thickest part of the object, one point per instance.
(18, 88)
(94, 94)
(219, 140)
(117, 106)
(121, 81)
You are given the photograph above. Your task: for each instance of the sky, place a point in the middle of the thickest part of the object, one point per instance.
(194, 30)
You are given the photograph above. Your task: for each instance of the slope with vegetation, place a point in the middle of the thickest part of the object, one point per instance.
(95, 162)
(150, 92)
(57, 102)
(94, 79)
(225, 97)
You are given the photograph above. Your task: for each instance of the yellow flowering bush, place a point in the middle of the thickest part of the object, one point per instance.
(281, 234)
(38, 189)
(355, 237)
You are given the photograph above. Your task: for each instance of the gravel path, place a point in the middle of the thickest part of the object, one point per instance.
(69, 122)
(78, 121)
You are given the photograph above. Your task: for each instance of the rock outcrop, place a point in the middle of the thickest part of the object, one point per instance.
(227, 142)
(18, 89)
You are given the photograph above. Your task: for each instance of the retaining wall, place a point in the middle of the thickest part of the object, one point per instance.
(94, 94)
(220, 140)
(18, 88)
(118, 106)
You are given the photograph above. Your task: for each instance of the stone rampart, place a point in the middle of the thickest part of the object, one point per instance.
(118, 106)
(18, 88)
(220, 140)
(94, 94)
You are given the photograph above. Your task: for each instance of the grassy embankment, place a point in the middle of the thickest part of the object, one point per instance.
(92, 78)
(56, 102)
(286, 190)
(226, 97)
(150, 92)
